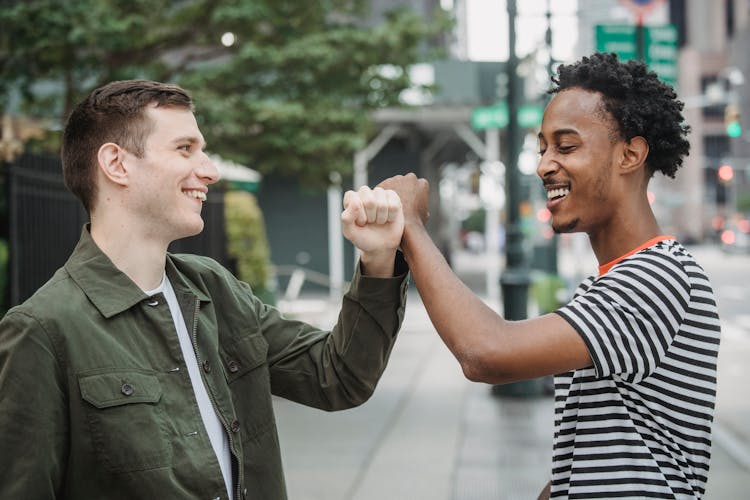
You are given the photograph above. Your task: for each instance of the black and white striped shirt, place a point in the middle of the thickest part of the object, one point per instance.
(637, 424)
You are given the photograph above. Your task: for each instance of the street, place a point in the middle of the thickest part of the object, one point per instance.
(428, 433)
(730, 274)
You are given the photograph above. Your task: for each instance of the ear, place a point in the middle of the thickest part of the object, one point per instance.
(110, 162)
(634, 154)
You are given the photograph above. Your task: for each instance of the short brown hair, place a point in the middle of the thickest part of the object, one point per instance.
(113, 113)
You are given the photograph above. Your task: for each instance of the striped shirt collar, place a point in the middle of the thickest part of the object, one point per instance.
(653, 241)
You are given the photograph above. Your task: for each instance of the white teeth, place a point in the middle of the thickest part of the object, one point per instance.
(556, 193)
(196, 194)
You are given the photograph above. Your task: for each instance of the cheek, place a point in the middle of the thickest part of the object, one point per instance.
(601, 182)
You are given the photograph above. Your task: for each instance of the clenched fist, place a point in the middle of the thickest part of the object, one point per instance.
(373, 220)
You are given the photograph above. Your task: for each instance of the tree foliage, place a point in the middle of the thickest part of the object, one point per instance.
(290, 96)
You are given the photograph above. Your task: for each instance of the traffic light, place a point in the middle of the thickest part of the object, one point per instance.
(725, 173)
(732, 120)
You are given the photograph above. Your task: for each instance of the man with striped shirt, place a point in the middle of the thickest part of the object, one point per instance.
(635, 350)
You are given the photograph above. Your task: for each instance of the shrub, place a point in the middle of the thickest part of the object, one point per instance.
(247, 244)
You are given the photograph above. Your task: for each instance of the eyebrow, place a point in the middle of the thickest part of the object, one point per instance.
(559, 132)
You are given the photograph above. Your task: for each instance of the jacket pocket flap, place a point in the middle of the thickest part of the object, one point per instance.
(119, 387)
(245, 354)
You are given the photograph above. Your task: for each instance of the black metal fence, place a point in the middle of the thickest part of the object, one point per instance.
(44, 222)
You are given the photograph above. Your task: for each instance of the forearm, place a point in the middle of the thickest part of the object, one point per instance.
(339, 369)
(470, 329)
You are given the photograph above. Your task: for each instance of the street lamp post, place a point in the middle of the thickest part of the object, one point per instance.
(515, 279)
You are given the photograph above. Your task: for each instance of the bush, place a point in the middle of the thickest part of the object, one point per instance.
(475, 221)
(247, 244)
(545, 290)
(743, 203)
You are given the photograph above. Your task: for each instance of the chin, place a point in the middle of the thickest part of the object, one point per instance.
(569, 227)
(187, 231)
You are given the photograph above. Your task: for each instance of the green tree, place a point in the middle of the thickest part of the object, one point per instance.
(289, 96)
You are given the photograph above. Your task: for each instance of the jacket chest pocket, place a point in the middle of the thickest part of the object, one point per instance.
(125, 419)
(246, 367)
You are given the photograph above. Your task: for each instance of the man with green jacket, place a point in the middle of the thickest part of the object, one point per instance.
(138, 374)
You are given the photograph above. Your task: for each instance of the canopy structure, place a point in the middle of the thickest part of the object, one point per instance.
(236, 175)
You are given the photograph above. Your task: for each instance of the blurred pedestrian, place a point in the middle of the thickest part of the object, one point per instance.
(136, 373)
(634, 352)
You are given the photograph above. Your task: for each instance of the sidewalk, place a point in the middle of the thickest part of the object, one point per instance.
(429, 434)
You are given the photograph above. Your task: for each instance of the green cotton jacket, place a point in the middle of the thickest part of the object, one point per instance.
(95, 399)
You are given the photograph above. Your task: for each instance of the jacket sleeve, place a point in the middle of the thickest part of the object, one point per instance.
(33, 416)
(337, 369)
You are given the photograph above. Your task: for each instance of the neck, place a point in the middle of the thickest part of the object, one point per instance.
(135, 252)
(630, 229)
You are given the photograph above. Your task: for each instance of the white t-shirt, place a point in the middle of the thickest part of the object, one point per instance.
(216, 434)
(637, 424)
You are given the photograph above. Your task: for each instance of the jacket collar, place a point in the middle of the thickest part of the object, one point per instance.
(109, 289)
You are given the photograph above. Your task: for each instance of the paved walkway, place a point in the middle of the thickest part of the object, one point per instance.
(429, 434)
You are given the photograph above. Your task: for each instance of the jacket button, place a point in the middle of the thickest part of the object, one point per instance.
(234, 426)
(233, 366)
(153, 302)
(127, 389)
(206, 366)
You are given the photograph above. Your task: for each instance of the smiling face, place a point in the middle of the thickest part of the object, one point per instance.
(170, 182)
(579, 151)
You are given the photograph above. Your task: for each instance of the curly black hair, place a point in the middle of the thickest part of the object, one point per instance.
(639, 102)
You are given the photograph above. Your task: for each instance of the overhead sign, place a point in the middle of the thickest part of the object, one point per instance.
(496, 116)
(659, 46)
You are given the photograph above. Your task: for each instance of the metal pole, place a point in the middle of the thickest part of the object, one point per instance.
(335, 241)
(640, 38)
(551, 260)
(515, 279)
(492, 221)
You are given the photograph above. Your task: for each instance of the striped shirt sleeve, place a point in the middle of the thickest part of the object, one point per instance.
(629, 316)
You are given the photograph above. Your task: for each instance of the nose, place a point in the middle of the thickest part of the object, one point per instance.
(547, 166)
(207, 170)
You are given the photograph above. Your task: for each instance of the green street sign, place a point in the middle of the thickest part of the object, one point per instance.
(496, 116)
(617, 38)
(659, 46)
(530, 115)
(661, 51)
